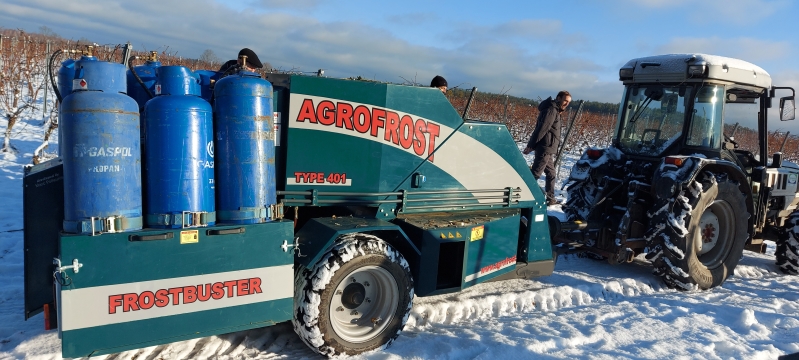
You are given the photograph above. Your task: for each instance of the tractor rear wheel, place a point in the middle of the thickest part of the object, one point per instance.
(703, 239)
(788, 247)
(356, 298)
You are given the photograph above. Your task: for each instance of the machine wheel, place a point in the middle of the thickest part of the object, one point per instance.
(581, 197)
(356, 298)
(788, 247)
(704, 235)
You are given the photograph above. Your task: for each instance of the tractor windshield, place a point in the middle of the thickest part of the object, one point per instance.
(651, 118)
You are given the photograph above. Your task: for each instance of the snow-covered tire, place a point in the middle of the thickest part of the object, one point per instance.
(700, 241)
(356, 298)
(581, 197)
(788, 247)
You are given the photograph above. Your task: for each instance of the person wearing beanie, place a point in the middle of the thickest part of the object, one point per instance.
(252, 61)
(440, 83)
(545, 141)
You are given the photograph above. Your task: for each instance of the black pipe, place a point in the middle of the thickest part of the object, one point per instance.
(141, 82)
(52, 78)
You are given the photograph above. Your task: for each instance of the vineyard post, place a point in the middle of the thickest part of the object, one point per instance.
(46, 82)
(577, 113)
(505, 112)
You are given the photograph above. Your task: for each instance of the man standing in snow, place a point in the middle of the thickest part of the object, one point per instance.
(546, 139)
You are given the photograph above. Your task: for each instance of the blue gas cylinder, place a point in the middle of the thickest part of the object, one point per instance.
(147, 74)
(102, 165)
(207, 79)
(245, 149)
(66, 73)
(179, 153)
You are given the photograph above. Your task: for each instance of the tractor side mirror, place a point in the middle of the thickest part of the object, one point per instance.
(787, 108)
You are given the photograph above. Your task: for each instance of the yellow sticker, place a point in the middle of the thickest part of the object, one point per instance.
(443, 236)
(450, 236)
(458, 235)
(477, 233)
(189, 236)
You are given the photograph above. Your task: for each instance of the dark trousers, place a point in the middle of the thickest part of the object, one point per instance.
(545, 163)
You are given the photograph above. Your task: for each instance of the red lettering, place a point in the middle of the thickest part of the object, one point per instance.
(114, 301)
(344, 115)
(129, 302)
(311, 177)
(392, 127)
(307, 112)
(146, 300)
(230, 285)
(219, 291)
(418, 137)
(255, 285)
(297, 177)
(241, 287)
(203, 293)
(320, 178)
(406, 132)
(176, 295)
(378, 120)
(362, 119)
(433, 130)
(189, 294)
(325, 113)
(161, 298)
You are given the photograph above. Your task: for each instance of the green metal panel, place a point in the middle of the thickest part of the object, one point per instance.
(110, 304)
(121, 337)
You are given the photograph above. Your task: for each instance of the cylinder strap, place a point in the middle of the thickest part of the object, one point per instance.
(245, 213)
(184, 219)
(111, 224)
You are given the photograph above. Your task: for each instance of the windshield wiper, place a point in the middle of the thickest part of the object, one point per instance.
(641, 109)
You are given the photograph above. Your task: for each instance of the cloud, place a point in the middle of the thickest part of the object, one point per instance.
(530, 60)
(286, 4)
(741, 12)
(415, 18)
(749, 49)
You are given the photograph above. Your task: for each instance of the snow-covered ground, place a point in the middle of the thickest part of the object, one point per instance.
(587, 309)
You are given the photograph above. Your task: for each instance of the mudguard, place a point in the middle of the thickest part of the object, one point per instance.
(319, 234)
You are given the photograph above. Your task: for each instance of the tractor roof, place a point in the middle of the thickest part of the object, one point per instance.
(688, 67)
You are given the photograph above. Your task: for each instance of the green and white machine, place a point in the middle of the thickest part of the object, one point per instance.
(385, 193)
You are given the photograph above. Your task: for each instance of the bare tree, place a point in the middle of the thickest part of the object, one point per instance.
(209, 56)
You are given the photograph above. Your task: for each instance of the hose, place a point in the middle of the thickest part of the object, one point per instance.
(141, 82)
(52, 78)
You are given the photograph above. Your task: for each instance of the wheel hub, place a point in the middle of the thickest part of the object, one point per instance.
(353, 295)
(709, 231)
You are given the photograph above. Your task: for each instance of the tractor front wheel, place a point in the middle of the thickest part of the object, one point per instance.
(788, 247)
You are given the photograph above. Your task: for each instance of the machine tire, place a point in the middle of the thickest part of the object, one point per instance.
(787, 252)
(356, 298)
(704, 235)
(581, 197)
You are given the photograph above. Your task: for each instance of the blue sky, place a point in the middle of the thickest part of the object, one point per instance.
(525, 48)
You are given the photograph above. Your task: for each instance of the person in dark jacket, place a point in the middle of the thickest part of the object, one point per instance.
(440, 83)
(251, 63)
(545, 140)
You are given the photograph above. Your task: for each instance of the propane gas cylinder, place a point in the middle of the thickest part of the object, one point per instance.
(245, 149)
(179, 180)
(102, 165)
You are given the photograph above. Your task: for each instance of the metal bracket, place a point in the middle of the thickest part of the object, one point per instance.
(75, 266)
(295, 245)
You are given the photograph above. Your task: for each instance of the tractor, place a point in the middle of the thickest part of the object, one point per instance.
(672, 186)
